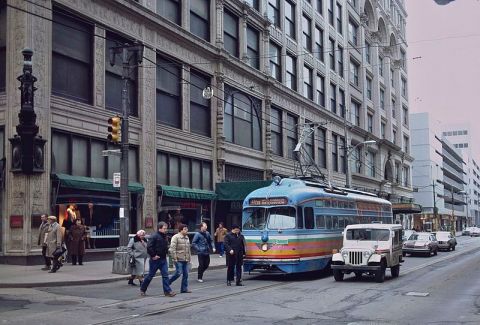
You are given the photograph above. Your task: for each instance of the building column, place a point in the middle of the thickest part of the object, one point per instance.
(99, 68)
(219, 23)
(217, 107)
(26, 196)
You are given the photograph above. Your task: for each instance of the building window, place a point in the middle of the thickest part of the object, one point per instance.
(368, 51)
(319, 43)
(320, 90)
(403, 59)
(200, 18)
(253, 47)
(394, 136)
(275, 62)
(290, 19)
(358, 160)
(307, 82)
(398, 175)
(370, 123)
(352, 32)
(405, 116)
(169, 103)
(320, 7)
(330, 12)
(276, 131)
(274, 12)
(335, 152)
(342, 156)
(406, 144)
(292, 135)
(170, 9)
(114, 81)
(406, 176)
(382, 99)
(340, 61)
(182, 171)
(370, 161)
(3, 48)
(404, 88)
(380, 66)
(333, 98)
(382, 130)
(242, 119)
(341, 103)
(392, 78)
(339, 19)
(309, 142)
(307, 33)
(322, 152)
(253, 4)
(230, 33)
(354, 73)
(235, 174)
(199, 107)
(355, 113)
(72, 58)
(393, 108)
(369, 88)
(291, 68)
(332, 54)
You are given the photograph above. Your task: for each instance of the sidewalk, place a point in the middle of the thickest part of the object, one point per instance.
(20, 276)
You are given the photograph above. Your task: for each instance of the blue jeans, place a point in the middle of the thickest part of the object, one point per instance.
(181, 267)
(221, 248)
(162, 265)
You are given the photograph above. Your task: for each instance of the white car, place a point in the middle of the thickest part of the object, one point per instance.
(474, 232)
(466, 231)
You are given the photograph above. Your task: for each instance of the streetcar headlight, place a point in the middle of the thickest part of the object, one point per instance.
(264, 247)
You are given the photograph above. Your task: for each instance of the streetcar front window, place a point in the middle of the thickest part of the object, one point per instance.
(254, 219)
(281, 218)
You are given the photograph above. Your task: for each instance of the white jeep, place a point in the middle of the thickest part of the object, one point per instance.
(369, 248)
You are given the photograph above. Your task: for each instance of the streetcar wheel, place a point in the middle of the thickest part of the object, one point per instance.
(338, 275)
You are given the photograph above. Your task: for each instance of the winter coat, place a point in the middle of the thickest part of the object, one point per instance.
(202, 243)
(235, 242)
(138, 248)
(220, 234)
(42, 230)
(158, 245)
(76, 240)
(180, 248)
(54, 238)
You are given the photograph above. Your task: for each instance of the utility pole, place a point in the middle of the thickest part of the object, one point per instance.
(434, 201)
(127, 52)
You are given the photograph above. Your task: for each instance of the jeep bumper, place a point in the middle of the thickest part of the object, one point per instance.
(353, 268)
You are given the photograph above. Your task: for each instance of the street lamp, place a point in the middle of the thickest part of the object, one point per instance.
(348, 182)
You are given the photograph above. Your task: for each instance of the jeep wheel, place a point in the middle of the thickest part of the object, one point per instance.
(338, 275)
(453, 247)
(380, 274)
(395, 270)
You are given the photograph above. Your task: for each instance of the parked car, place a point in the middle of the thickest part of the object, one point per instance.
(446, 240)
(407, 233)
(474, 232)
(466, 231)
(421, 243)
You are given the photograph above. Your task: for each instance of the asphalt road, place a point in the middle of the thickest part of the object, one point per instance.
(443, 289)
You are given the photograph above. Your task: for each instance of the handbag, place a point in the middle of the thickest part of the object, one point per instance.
(59, 251)
(132, 261)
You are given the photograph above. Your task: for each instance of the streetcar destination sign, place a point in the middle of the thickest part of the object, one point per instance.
(269, 201)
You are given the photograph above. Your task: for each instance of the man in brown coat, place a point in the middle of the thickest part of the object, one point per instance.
(53, 241)
(42, 230)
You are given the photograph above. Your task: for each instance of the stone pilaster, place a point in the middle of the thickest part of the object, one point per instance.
(268, 137)
(219, 23)
(148, 154)
(219, 89)
(243, 36)
(99, 68)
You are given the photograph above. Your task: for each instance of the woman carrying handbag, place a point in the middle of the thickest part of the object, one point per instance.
(137, 248)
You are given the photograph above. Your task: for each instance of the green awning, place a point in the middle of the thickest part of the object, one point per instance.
(237, 191)
(187, 193)
(94, 184)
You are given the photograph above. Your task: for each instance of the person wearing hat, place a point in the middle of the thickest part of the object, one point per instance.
(137, 247)
(53, 240)
(235, 251)
(42, 232)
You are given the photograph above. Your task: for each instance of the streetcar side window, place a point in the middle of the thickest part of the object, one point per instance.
(320, 221)
(328, 221)
(299, 218)
(334, 222)
(309, 221)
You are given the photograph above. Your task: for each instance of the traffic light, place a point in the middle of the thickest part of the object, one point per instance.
(114, 129)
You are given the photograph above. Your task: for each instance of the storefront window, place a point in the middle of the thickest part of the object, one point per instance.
(97, 161)
(60, 153)
(162, 170)
(185, 175)
(196, 175)
(113, 163)
(79, 156)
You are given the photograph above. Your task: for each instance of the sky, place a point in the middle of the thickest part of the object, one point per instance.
(445, 80)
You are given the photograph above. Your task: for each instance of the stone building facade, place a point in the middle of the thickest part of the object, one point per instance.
(273, 65)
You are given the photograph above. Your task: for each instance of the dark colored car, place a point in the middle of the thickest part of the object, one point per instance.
(421, 243)
(446, 240)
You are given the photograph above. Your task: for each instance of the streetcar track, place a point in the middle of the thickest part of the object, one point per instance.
(190, 303)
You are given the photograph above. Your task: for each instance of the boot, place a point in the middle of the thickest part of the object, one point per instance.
(80, 259)
(74, 259)
(130, 281)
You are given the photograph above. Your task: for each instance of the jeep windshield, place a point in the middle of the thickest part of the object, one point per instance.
(271, 218)
(368, 234)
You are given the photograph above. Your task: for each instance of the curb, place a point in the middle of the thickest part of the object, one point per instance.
(84, 282)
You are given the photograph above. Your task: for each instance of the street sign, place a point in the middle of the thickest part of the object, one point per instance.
(116, 179)
(113, 152)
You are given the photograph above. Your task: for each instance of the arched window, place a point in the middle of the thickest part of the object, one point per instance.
(242, 119)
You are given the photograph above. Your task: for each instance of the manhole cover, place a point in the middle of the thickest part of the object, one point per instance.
(60, 302)
(417, 294)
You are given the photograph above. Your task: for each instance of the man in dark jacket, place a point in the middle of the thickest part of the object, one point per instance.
(202, 242)
(157, 248)
(235, 251)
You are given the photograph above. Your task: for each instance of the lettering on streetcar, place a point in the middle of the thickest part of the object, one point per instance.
(269, 201)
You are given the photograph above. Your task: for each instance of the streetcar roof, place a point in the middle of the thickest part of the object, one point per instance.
(297, 190)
